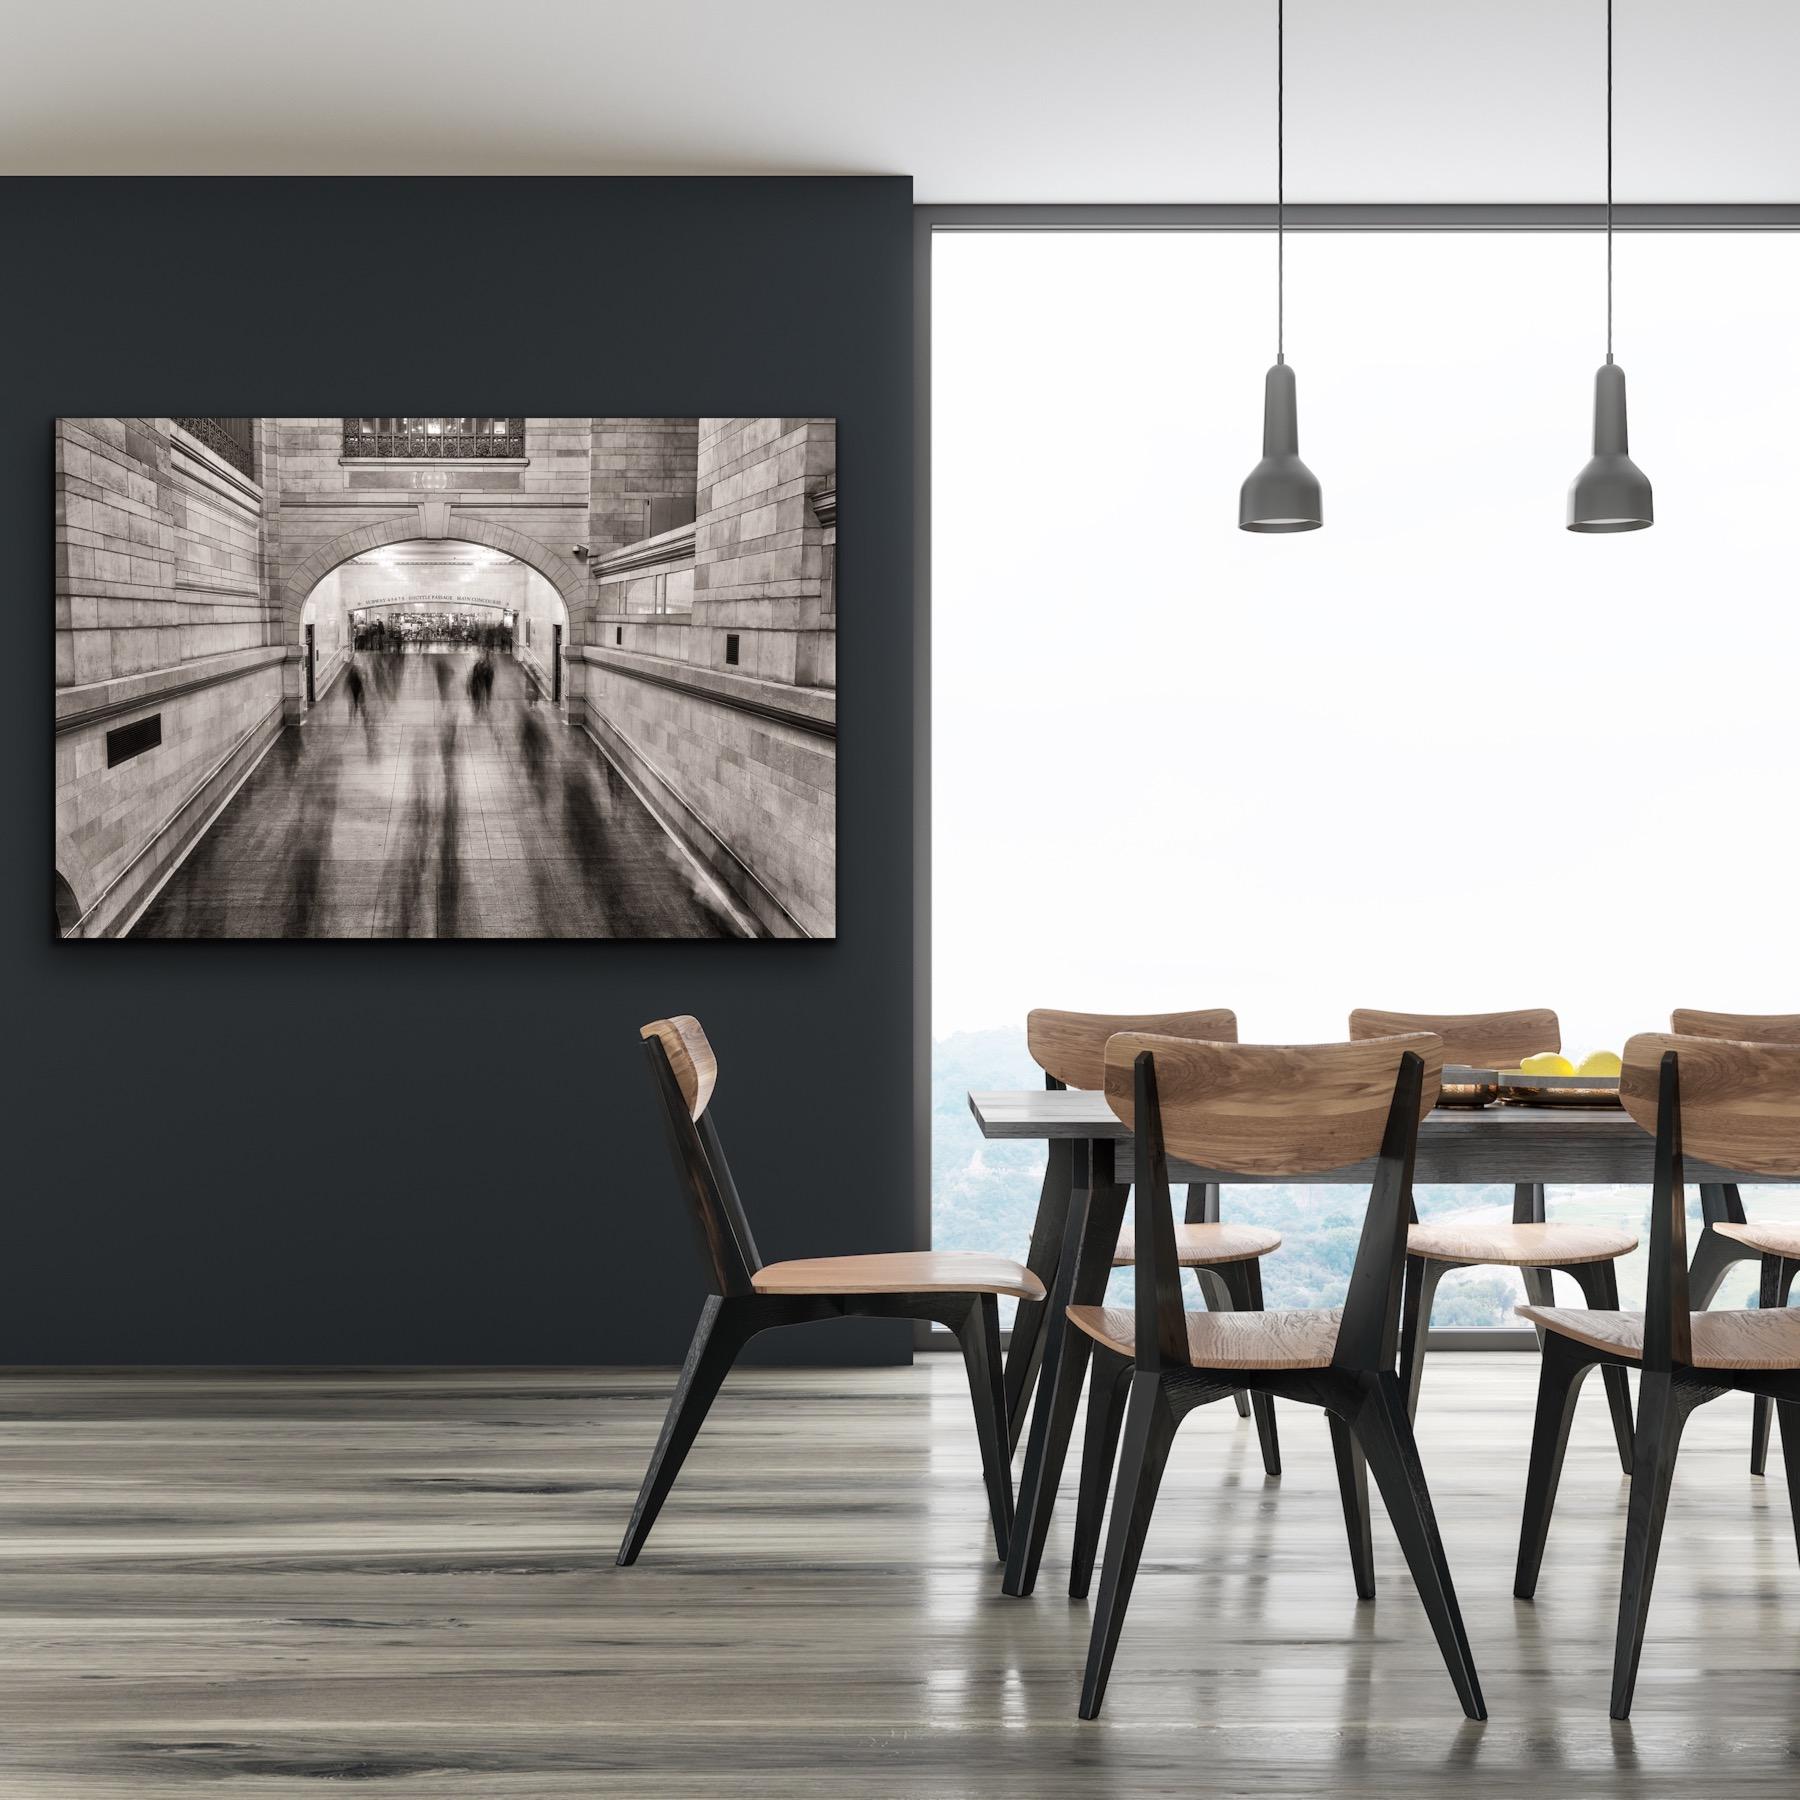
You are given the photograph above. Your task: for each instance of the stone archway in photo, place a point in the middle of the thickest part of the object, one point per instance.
(432, 520)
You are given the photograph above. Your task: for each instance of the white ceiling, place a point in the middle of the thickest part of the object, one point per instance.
(1046, 100)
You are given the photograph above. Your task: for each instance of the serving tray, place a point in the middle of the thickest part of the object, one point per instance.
(1511, 1087)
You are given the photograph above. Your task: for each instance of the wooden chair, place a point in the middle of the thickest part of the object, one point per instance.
(1270, 1109)
(1737, 1105)
(1071, 1050)
(1533, 1244)
(1728, 1237)
(748, 1295)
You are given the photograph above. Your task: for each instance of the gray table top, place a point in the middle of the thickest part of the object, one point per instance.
(1570, 1146)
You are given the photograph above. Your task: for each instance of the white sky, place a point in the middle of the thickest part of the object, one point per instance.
(1443, 754)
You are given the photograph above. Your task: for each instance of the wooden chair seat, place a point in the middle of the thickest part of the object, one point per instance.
(1722, 1340)
(1247, 1340)
(1764, 1236)
(900, 1272)
(1200, 1246)
(1523, 1246)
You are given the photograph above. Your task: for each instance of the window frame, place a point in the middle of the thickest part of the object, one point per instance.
(927, 222)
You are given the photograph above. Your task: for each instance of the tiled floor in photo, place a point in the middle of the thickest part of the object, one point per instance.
(424, 814)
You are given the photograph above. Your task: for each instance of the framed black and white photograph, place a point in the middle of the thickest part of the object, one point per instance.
(452, 677)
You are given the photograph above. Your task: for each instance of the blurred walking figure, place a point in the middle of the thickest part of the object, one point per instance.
(353, 689)
(440, 668)
(481, 683)
(534, 748)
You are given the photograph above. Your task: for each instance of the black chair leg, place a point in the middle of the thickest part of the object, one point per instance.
(1093, 1230)
(1712, 1262)
(1565, 1365)
(1244, 1281)
(1762, 1417)
(1052, 1424)
(1540, 1290)
(722, 1332)
(1778, 1274)
(1216, 1292)
(1353, 1490)
(1109, 1381)
(979, 1335)
(1790, 1454)
(1422, 1278)
(1149, 1431)
(1600, 1288)
(1385, 1433)
(1662, 1411)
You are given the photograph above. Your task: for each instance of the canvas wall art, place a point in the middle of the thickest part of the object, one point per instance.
(446, 677)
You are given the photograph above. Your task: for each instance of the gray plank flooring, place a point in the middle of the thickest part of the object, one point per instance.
(263, 1584)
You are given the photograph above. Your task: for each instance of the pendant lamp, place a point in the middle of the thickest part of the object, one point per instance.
(1612, 493)
(1281, 493)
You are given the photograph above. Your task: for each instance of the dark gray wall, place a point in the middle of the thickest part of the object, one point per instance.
(170, 1194)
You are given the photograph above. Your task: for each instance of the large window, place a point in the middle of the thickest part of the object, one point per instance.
(457, 438)
(1443, 754)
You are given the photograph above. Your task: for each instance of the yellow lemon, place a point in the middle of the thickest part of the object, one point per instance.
(1546, 1062)
(1601, 1062)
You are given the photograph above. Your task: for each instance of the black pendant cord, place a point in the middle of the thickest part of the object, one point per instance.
(1609, 180)
(1281, 177)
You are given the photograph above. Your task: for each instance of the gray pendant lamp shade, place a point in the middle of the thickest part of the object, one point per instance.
(1281, 493)
(1612, 493)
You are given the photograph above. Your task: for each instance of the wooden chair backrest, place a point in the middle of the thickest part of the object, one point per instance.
(1471, 1040)
(1070, 1047)
(1271, 1109)
(1740, 1102)
(1737, 1104)
(1745, 1028)
(1281, 1109)
(684, 1070)
(690, 1056)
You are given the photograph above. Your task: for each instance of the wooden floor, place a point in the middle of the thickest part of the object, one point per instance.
(253, 1585)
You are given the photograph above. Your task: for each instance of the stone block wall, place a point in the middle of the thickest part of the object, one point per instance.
(161, 610)
(541, 610)
(219, 577)
(643, 480)
(759, 549)
(116, 610)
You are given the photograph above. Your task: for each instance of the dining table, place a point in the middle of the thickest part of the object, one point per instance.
(1081, 1207)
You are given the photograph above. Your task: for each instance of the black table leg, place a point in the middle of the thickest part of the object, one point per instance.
(1096, 1211)
(1025, 1352)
